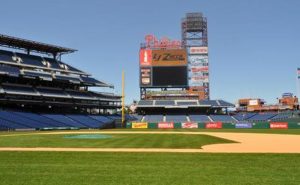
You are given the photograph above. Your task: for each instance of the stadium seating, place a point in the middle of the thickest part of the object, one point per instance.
(222, 118)
(31, 60)
(36, 74)
(6, 56)
(190, 103)
(37, 117)
(153, 118)
(90, 80)
(262, 117)
(212, 103)
(8, 125)
(176, 118)
(9, 70)
(68, 122)
(145, 102)
(199, 118)
(23, 121)
(165, 102)
(12, 89)
(68, 78)
(80, 94)
(52, 92)
(243, 116)
(86, 121)
(282, 116)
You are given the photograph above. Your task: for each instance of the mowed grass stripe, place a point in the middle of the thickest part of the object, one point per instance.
(143, 168)
(117, 141)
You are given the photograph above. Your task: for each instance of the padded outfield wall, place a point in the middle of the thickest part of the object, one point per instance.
(214, 125)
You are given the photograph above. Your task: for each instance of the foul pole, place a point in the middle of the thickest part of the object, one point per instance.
(123, 98)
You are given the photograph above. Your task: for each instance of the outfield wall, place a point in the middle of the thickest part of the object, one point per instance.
(214, 125)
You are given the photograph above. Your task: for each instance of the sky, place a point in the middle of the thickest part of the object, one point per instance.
(254, 45)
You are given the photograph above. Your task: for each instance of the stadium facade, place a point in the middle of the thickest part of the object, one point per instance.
(39, 90)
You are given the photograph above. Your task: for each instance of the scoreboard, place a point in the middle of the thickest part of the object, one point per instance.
(163, 68)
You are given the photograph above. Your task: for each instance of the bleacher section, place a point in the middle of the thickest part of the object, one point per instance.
(11, 120)
(199, 118)
(153, 118)
(243, 116)
(222, 118)
(262, 117)
(165, 102)
(176, 118)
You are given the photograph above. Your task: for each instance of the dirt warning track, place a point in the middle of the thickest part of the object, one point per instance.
(246, 143)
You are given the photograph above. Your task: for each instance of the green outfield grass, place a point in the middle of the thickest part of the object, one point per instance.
(116, 141)
(74, 168)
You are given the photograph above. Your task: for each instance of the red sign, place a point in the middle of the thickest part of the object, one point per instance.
(189, 125)
(198, 50)
(199, 69)
(279, 125)
(213, 125)
(166, 125)
(163, 43)
(145, 57)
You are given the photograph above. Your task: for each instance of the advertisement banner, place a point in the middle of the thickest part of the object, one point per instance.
(198, 50)
(166, 125)
(213, 125)
(198, 79)
(279, 125)
(171, 57)
(139, 125)
(199, 69)
(189, 125)
(145, 76)
(198, 60)
(145, 57)
(243, 125)
(253, 102)
(195, 83)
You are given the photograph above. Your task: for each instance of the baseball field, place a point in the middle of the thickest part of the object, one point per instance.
(151, 157)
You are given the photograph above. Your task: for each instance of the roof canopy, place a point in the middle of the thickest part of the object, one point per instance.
(8, 41)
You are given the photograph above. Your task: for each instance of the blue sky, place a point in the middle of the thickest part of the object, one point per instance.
(254, 44)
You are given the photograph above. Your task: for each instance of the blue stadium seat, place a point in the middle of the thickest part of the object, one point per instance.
(244, 116)
(101, 118)
(165, 102)
(18, 89)
(5, 124)
(20, 120)
(86, 120)
(44, 120)
(281, 116)
(9, 70)
(153, 118)
(145, 102)
(176, 118)
(199, 118)
(187, 103)
(36, 74)
(52, 92)
(31, 60)
(68, 122)
(6, 56)
(222, 118)
(262, 117)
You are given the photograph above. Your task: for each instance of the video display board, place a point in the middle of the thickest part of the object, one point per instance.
(169, 76)
(171, 57)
